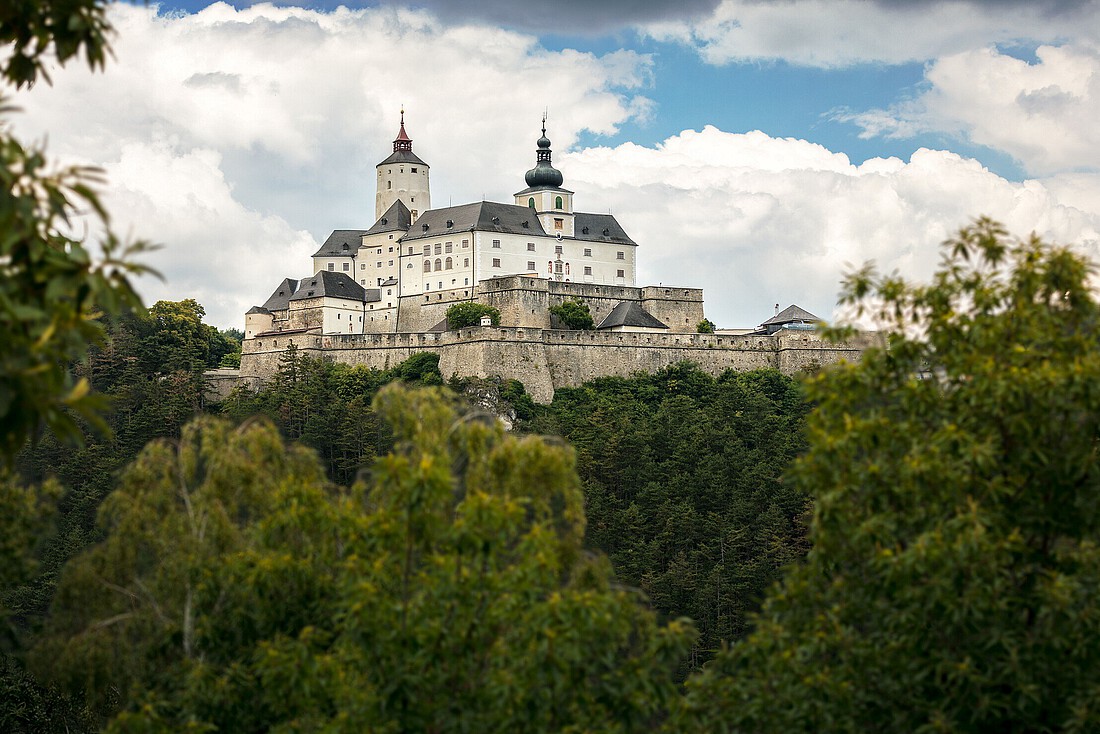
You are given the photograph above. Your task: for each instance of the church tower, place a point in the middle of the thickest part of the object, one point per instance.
(544, 193)
(402, 176)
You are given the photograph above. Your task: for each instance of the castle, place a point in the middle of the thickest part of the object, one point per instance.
(379, 295)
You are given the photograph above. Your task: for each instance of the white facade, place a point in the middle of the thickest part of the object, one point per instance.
(407, 181)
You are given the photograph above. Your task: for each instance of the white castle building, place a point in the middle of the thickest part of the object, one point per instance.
(414, 252)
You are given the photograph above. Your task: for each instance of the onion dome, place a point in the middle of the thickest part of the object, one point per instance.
(543, 175)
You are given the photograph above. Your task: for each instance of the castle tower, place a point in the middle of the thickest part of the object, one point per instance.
(402, 176)
(552, 204)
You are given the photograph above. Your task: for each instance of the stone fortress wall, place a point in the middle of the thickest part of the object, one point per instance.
(547, 359)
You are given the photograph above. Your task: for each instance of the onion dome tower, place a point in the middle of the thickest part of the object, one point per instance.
(543, 175)
(552, 204)
(403, 176)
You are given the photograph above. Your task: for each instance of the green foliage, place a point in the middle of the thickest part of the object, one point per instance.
(236, 591)
(67, 28)
(682, 485)
(469, 313)
(706, 326)
(955, 571)
(327, 406)
(573, 315)
(51, 293)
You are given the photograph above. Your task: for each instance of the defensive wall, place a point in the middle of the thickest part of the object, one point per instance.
(547, 359)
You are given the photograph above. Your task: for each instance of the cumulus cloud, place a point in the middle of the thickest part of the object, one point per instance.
(1042, 113)
(758, 220)
(838, 33)
(272, 118)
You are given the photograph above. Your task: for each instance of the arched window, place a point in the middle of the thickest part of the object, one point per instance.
(531, 202)
(438, 264)
(448, 264)
(557, 203)
(550, 266)
(567, 268)
(427, 266)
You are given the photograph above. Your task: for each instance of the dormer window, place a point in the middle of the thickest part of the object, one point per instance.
(345, 248)
(584, 230)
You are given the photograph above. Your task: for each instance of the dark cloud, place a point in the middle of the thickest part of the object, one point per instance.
(565, 16)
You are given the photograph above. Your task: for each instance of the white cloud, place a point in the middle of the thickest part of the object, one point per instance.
(1043, 113)
(837, 33)
(757, 220)
(274, 117)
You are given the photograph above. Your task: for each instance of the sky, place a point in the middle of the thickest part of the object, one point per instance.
(758, 149)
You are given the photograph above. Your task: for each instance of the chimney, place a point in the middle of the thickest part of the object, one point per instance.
(776, 310)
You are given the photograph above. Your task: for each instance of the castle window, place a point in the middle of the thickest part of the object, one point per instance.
(557, 268)
(530, 246)
(409, 266)
(379, 264)
(588, 270)
(559, 223)
(379, 250)
(620, 255)
(347, 267)
(438, 249)
(410, 250)
(557, 249)
(587, 252)
(496, 262)
(391, 263)
(389, 184)
(496, 244)
(465, 243)
(447, 264)
(531, 202)
(414, 214)
(530, 264)
(332, 266)
(440, 288)
(557, 203)
(438, 264)
(567, 268)
(449, 247)
(427, 266)
(427, 249)
(362, 282)
(362, 266)
(620, 274)
(389, 291)
(465, 262)
(391, 237)
(412, 170)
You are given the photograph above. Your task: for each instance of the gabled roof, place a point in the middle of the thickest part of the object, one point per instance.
(397, 218)
(278, 300)
(599, 228)
(403, 156)
(791, 314)
(631, 313)
(484, 216)
(331, 284)
(257, 309)
(334, 245)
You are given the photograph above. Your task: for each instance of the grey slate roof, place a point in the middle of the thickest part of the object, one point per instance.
(533, 189)
(397, 218)
(599, 228)
(403, 156)
(631, 313)
(791, 314)
(257, 309)
(334, 245)
(484, 216)
(279, 299)
(332, 284)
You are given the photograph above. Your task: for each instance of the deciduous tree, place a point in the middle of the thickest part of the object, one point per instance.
(955, 572)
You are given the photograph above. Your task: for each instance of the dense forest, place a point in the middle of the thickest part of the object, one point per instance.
(906, 544)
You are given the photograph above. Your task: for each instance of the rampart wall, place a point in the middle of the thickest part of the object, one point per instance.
(545, 360)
